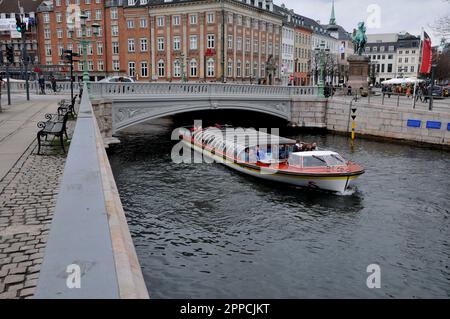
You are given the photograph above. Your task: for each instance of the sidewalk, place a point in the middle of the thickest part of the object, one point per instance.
(18, 126)
(29, 186)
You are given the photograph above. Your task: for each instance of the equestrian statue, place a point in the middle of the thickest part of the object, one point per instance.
(359, 38)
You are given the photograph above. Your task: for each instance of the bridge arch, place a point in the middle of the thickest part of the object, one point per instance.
(129, 113)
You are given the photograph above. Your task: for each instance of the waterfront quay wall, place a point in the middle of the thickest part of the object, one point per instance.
(408, 124)
(89, 252)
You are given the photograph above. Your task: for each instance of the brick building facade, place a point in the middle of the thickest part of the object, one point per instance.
(158, 40)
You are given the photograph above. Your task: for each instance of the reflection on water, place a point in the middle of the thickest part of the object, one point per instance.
(205, 231)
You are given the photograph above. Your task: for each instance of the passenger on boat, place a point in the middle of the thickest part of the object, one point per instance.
(310, 147)
(298, 147)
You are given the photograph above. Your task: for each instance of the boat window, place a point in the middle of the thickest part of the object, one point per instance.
(314, 161)
(295, 161)
(334, 160)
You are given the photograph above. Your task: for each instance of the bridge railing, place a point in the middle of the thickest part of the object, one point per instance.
(122, 89)
(20, 87)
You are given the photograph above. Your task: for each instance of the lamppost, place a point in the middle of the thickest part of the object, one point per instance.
(84, 43)
(183, 67)
(321, 51)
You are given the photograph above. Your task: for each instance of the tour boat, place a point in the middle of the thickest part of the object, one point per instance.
(251, 152)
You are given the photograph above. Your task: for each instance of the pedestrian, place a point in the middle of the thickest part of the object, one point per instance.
(349, 90)
(42, 84)
(53, 81)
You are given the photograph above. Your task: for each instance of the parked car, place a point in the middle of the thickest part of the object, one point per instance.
(113, 79)
(438, 92)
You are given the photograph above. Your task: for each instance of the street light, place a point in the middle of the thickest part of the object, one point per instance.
(321, 51)
(84, 42)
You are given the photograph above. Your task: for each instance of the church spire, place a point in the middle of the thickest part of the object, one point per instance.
(333, 17)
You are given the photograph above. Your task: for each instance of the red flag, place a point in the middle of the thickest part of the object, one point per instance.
(427, 57)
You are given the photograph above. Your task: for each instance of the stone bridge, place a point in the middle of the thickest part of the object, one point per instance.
(121, 105)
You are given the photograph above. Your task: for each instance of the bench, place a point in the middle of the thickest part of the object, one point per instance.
(66, 106)
(55, 125)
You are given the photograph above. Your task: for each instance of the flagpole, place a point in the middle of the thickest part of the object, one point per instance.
(422, 36)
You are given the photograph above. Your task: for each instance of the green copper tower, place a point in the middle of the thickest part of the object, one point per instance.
(333, 16)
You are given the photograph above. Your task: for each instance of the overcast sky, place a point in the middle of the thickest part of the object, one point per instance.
(395, 15)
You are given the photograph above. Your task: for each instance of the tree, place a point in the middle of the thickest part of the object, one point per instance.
(442, 25)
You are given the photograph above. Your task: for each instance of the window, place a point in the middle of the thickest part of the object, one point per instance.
(114, 14)
(131, 68)
(87, 1)
(193, 42)
(239, 68)
(116, 65)
(58, 17)
(143, 23)
(115, 47)
(60, 50)
(176, 43)
(87, 13)
(59, 33)
(263, 70)
(406, 60)
(239, 44)
(144, 2)
(131, 45)
(412, 69)
(193, 19)
(160, 21)
(390, 56)
(230, 42)
(389, 68)
(131, 2)
(256, 46)
(48, 50)
(399, 60)
(144, 45)
(255, 69)
(247, 68)
(210, 41)
(46, 33)
(210, 17)
(161, 68)
(80, 66)
(58, 3)
(98, 14)
(115, 31)
(210, 68)
(91, 65)
(46, 17)
(160, 44)
(99, 48)
(130, 24)
(248, 45)
(230, 68)
(144, 69)
(230, 18)
(193, 68)
(176, 68)
(176, 20)
(90, 49)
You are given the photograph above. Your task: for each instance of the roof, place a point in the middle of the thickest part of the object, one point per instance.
(11, 6)
(241, 138)
(316, 153)
(342, 33)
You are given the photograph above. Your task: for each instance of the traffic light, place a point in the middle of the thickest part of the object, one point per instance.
(10, 53)
(21, 26)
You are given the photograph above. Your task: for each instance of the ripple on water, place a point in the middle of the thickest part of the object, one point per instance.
(204, 231)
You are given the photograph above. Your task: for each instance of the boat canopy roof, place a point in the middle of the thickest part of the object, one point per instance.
(315, 153)
(240, 139)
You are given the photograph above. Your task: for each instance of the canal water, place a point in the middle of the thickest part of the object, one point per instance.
(205, 231)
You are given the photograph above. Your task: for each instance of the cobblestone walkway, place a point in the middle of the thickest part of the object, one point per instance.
(28, 197)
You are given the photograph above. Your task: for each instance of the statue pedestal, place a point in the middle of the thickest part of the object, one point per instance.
(358, 73)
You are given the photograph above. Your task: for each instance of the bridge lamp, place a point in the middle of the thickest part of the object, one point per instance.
(321, 51)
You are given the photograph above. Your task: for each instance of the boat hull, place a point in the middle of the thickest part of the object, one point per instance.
(338, 183)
